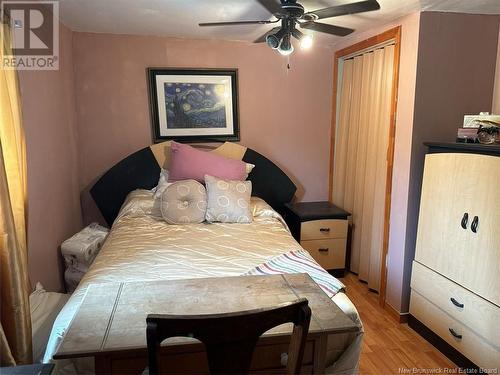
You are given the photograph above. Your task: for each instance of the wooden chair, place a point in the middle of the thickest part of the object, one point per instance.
(230, 339)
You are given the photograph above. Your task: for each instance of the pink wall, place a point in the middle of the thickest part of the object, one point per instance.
(284, 114)
(53, 190)
(69, 145)
(495, 107)
(402, 148)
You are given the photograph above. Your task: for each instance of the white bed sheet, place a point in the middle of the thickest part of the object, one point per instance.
(141, 246)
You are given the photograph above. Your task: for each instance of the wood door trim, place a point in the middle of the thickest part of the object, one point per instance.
(394, 33)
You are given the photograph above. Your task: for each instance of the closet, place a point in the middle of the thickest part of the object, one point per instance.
(363, 141)
(456, 272)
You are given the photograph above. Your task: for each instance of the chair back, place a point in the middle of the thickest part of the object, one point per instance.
(230, 338)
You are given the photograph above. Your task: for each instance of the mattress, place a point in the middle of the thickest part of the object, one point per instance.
(141, 246)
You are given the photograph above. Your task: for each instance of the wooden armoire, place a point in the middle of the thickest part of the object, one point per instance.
(455, 296)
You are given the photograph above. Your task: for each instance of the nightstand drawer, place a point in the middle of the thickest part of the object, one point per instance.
(330, 254)
(320, 229)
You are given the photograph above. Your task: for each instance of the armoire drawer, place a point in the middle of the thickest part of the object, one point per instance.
(470, 344)
(478, 314)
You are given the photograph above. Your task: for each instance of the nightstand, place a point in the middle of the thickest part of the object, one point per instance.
(321, 229)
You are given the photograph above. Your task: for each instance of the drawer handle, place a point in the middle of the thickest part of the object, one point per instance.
(465, 219)
(456, 335)
(324, 229)
(474, 225)
(284, 359)
(456, 303)
(323, 249)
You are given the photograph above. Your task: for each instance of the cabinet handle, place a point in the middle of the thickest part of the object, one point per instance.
(324, 229)
(456, 303)
(284, 359)
(323, 249)
(474, 224)
(452, 331)
(465, 219)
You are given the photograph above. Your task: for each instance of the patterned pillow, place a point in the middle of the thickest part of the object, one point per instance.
(184, 202)
(228, 201)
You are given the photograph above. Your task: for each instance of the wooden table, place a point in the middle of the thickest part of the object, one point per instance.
(110, 324)
(34, 369)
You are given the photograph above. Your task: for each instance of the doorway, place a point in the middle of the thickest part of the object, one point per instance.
(362, 149)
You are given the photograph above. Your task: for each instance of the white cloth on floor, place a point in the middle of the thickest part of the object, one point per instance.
(44, 307)
(80, 250)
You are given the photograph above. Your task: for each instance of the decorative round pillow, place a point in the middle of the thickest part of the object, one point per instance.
(184, 202)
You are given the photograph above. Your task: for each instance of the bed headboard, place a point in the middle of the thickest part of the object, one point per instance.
(141, 170)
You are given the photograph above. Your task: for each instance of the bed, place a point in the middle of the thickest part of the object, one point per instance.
(142, 246)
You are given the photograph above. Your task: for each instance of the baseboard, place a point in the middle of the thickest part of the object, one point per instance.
(395, 314)
(449, 351)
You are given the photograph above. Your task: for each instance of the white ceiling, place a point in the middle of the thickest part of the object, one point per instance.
(179, 18)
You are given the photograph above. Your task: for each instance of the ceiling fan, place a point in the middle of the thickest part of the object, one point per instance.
(292, 15)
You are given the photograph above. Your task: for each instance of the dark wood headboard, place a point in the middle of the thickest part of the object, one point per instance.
(141, 170)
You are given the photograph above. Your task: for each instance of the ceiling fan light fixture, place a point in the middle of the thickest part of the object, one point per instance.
(272, 41)
(297, 34)
(286, 52)
(286, 47)
(306, 42)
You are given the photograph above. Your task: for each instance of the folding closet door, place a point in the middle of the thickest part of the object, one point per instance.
(361, 151)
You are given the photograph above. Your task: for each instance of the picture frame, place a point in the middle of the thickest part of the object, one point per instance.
(194, 105)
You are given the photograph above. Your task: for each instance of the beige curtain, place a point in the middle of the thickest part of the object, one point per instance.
(360, 163)
(15, 328)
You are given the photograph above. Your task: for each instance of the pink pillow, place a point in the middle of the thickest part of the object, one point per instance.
(186, 163)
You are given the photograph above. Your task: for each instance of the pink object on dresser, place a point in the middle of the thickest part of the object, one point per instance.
(189, 163)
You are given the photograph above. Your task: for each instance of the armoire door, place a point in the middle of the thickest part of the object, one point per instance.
(456, 189)
(483, 237)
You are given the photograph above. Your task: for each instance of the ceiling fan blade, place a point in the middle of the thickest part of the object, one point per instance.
(235, 23)
(326, 28)
(263, 37)
(273, 6)
(340, 10)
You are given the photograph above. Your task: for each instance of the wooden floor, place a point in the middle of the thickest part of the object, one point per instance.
(388, 346)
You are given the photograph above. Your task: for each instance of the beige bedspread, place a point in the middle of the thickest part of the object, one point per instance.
(141, 246)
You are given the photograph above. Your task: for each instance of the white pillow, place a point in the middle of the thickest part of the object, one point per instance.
(248, 168)
(162, 184)
(163, 180)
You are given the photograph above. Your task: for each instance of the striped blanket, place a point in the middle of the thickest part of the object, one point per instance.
(299, 261)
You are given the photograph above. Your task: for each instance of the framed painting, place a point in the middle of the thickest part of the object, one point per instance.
(194, 105)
